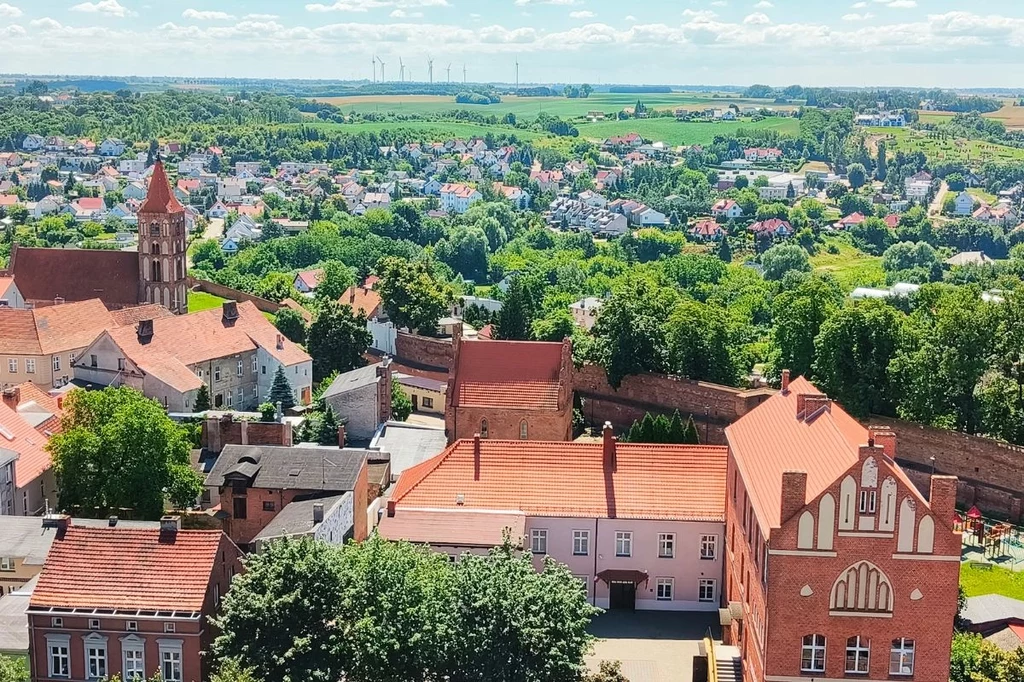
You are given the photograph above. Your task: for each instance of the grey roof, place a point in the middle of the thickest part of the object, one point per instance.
(297, 517)
(23, 537)
(349, 381)
(992, 608)
(296, 468)
(421, 382)
(14, 621)
(1006, 639)
(409, 444)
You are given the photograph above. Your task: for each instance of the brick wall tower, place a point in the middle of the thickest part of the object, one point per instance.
(162, 243)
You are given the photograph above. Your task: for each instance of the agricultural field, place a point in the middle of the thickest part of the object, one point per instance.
(943, 149)
(430, 130)
(532, 106)
(676, 132)
(851, 267)
(1011, 116)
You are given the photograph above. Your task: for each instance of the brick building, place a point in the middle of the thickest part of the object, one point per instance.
(128, 602)
(510, 390)
(836, 565)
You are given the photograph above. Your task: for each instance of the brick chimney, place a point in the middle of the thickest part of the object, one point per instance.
(785, 381)
(341, 435)
(230, 311)
(794, 494)
(145, 331)
(456, 342)
(384, 389)
(318, 512)
(280, 342)
(352, 295)
(476, 456)
(811, 403)
(608, 458)
(942, 497)
(391, 507)
(12, 397)
(884, 438)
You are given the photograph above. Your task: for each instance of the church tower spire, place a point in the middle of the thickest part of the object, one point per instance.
(162, 242)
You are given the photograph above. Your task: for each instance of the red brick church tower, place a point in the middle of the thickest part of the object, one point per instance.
(162, 243)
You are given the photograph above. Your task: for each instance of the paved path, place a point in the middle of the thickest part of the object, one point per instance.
(653, 646)
(936, 206)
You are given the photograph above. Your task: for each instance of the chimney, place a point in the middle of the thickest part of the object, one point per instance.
(391, 507)
(384, 389)
(145, 331)
(12, 397)
(456, 342)
(170, 525)
(785, 381)
(884, 438)
(608, 448)
(341, 435)
(476, 456)
(318, 512)
(810, 403)
(230, 309)
(794, 494)
(58, 300)
(286, 434)
(869, 450)
(112, 521)
(280, 342)
(942, 497)
(352, 296)
(60, 402)
(59, 521)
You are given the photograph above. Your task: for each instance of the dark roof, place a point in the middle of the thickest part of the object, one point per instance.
(43, 275)
(297, 518)
(422, 382)
(993, 608)
(349, 381)
(298, 468)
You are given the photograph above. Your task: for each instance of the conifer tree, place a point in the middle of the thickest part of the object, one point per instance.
(281, 390)
(691, 435)
(676, 431)
(202, 399)
(724, 250)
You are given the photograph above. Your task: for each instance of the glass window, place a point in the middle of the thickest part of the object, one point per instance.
(483, 428)
(623, 543)
(60, 659)
(666, 545)
(240, 366)
(901, 658)
(93, 360)
(96, 661)
(428, 402)
(539, 541)
(56, 363)
(708, 547)
(706, 589)
(868, 500)
(6, 563)
(812, 657)
(581, 542)
(523, 430)
(12, 366)
(231, 399)
(216, 373)
(255, 365)
(664, 588)
(30, 366)
(857, 653)
(170, 665)
(120, 363)
(134, 667)
(268, 506)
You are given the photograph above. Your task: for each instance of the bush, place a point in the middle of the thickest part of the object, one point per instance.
(267, 412)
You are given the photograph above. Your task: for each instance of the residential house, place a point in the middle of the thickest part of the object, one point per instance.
(963, 205)
(258, 482)
(134, 190)
(306, 281)
(111, 147)
(28, 417)
(87, 209)
(1001, 215)
(586, 310)
(565, 213)
(217, 210)
(33, 143)
(84, 147)
(822, 522)
(230, 189)
(509, 390)
(592, 199)
(606, 179)
(726, 208)
(851, 220)
(968, 258)
(133, 167)
(10, 296)
(707, 231)
(234, 350)
(373, 200)
(363, 299)
(457, 198)
(576, 503)
(361, 399)
(762, 154)
(882, 119)
(648, 217)
(773, 228)
(917, 186)
(519, 198)
(327, 519)
(247, 168)
(44, 207)
(129, 603)
(627, 140)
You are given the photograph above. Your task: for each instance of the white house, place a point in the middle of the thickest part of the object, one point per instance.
(650, 218)
(129, 166)
(33, 143)
(586, 310)
(726, 208)
(964, 204)
(230, 188)
(457, 198)
(247, 168)
(111, 147)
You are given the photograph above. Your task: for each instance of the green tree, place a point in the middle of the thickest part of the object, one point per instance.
(337, 339)
(690, 434)
(412, 296)
(741, 182)
(464, 250)
(798, 315)
(401, 405)
(13, 669)
(337, 278)
(325, 432)
(698, 343)
(281, 390)
(783, 258)
(556, 325)
(857, 175)
(515, 319)
(724, 250)
(291, 323)
(118, 449)
(202, 399)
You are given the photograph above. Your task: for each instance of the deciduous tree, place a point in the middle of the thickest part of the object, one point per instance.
(337, 339)
(412, 296)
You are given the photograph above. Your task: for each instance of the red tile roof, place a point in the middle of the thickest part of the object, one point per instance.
(30, 393)
(89, 204)
(53, 329)
(569, 480)
(21, 437)
(773, 438)
(76, 275)
(160, 198)
(511, 374)
(892, 220)
(128, 569)
(362, 299)
(457, 527)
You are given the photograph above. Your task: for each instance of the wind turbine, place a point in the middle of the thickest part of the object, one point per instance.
(373, 63)
(382, 79)
(449, 72)
(517, 74)
(430, 69)
(401, 70)
(463, 74)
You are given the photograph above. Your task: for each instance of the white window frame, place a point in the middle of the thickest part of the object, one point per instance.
(56, 363)
(62, 643)
(903, 651)
(95, 649)
(666, 545)
(131, 625)
(816, 651)
(623, 543)
(94, 623)
(241, 368)
(30, 366)
(170, 653)
(859, 648)
(230, 398)
(6, 563)
(665, 589)
(581, 543)
(56, 622)
(705, 584)
(168, 627)
(255, 365)
(12, 365)
(868, 501)
(134, 666)
(539, 540)
(708, 547)
(216, 373)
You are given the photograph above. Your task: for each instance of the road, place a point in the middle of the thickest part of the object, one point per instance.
(940, 197)
(214, 230)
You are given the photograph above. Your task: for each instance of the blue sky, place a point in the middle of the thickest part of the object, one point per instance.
(812, 42)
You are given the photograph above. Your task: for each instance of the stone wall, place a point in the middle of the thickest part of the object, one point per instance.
(424, 352)
(216, 433)
(232, 294)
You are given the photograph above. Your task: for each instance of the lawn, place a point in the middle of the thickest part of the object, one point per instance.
(199, 301)
(676, 132)
(979, 193)
(429, 130)
(989, 579)
(851, 267)
(948, 149)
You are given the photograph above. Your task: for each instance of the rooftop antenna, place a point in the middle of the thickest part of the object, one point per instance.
(449, 72)
(430, 69)
(382, 79)
(401, 70)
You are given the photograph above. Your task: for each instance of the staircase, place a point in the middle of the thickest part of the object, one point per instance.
(728, 664)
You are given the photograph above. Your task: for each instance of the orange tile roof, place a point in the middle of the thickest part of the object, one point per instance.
(130, 316)
(512, 374)
(362, 300)
(458, 527)
(29, 393)
(569, 480)
(33, 459)
(772, 439)
(127, 569)
(53, 329)
(160, 198)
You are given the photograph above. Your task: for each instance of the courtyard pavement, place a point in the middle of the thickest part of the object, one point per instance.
(654, 646)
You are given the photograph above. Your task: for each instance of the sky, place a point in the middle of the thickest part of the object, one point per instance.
(926, 43)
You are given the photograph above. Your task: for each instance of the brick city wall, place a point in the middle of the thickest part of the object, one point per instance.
(232, 294)
(217, 433)
(423, 352)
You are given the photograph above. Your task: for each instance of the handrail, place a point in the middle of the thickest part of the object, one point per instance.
(709, 647)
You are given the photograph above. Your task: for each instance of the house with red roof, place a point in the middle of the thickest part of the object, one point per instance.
(306, 281)
(363, 299)
(851, 220)
(837, 564)
(726, 208)
(892, 221)
(128, 602)
(28, 417)
(457, 197)
(509, 390)
(707, 231)
(772, 227)
(588, 505)
(87, 208)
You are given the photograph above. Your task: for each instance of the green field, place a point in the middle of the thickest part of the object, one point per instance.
(430, 130)
(531, 106)
(852, 268)
(199, 301)
(989, 579)
(948, 149)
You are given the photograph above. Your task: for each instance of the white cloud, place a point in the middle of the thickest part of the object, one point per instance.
(757, 19)
(45, 24)
(854, 16)
(9, 10)
(582, 14)
(898, 4)
(523, 3)
(858, 5)
(366, 5)
(764, 4)
(719, 3)
(260, 17)
(206, 15)
(111, 7)
(630, 17)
